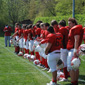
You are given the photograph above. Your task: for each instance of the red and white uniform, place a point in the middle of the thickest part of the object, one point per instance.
(68, 28)
(30, 35)
(26, 42)
(17, 35)
(21, 44)
(38, 31)
(46, 33)
(64, 52)
(33, 31)
(76, 30)
(54, 52)
(56, 29)
(42, 35)
(84, 35)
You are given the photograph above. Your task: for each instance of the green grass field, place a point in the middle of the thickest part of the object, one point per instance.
(15, 70)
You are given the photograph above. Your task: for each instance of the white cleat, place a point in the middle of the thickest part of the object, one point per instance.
(63, 79)
(49, 71)
(51, 83)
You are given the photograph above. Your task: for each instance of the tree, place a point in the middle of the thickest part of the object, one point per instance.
(15, 10)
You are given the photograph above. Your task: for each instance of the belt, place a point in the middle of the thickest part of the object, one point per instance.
(57, 52)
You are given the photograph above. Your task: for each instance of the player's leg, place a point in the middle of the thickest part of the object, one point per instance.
(73, 73)
(64, 59)
(5, 41)
(52, 62)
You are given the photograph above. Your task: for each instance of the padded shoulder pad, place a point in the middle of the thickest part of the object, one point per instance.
(77, 27)
(50, 35)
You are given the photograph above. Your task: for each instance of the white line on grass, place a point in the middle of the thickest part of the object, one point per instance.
(82, 58)
(36, 67)
(81, 80)
(29, 64)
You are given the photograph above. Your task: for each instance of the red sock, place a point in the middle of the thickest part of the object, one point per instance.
(37, 55)
(46, 64)
(74, 83)
(65, 72)
(17, 49)
(54, 80)
(40, 62)
(27, 51)
(32, 53)
(43, 61)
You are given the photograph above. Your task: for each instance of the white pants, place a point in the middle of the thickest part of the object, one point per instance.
(27, 44)
(64, 53)
(21, 43)
(52, 59)
(69, 58)
(17, 37)
(31, 45)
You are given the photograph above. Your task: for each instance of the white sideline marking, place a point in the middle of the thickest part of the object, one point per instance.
(17, 73)
(81, 80)
(32, 65)
(29, 63)
(36, 67)
(82, 58)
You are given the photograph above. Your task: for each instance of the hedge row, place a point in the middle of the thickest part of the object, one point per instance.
(80, 19)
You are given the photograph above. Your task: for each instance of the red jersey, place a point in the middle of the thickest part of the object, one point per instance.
(84, 34)
(38, 31)
(56, 29)
(76, 30)
(20, 32)
(7, 31)
(55, 40)
(16, 29)
(30, 34)
(25, 34)
(64, 32)
(46, 33)
(42, 34)
(67, 27)
(33, 31)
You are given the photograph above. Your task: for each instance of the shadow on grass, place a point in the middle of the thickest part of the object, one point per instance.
(81, 79)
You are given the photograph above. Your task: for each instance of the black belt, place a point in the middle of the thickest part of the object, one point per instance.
(57, 52)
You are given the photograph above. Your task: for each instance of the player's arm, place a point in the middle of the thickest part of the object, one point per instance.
(76, 43)
(14, 34)
(48, 48)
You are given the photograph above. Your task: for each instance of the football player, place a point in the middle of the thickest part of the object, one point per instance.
(54, 43)
(54, 23)
(64, 52)
(74, 40)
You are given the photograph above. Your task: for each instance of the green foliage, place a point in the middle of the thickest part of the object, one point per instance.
(12, 11)
(80, 19)
(63, 7)
(49, 19)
